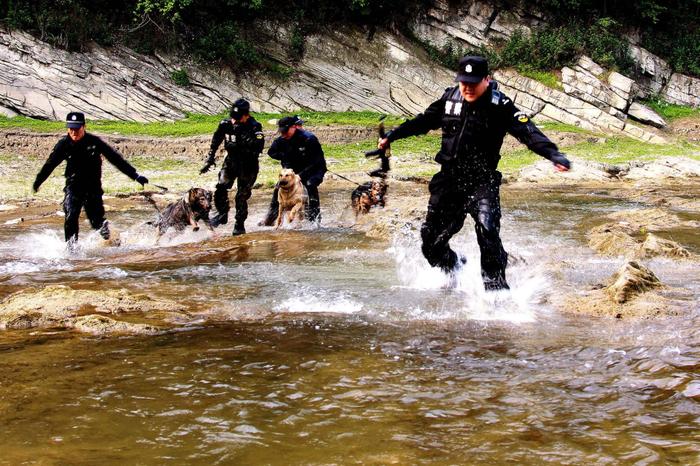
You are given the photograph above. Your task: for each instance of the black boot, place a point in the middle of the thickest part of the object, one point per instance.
(219, 219)
(238, 229)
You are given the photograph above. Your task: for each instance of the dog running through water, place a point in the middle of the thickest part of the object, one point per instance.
(292, 196)
(195, 205)
(368, 195)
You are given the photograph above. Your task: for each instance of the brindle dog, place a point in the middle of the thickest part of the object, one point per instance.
(367, 195)
(194, 206)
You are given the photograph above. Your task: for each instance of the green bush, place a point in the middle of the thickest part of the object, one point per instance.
(180, 78)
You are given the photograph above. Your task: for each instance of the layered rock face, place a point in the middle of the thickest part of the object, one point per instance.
(341, 70)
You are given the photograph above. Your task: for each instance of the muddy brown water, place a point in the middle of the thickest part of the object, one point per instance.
(357, 352)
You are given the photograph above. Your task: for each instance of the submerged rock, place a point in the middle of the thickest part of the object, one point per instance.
(62, 306)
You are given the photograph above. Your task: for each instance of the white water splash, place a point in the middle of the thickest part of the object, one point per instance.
(464, 295)
(313, 303)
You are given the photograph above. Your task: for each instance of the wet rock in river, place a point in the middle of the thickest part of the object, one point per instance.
(630, 295)
(629, 235)
(656, 246)
(612, 240)
(62, 306)
(631, 280)
(103, 325)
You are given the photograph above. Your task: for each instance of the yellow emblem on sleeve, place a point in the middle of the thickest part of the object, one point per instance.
(523, 119)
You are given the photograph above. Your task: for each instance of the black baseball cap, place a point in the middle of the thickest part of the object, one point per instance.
(75, 120)
(239, 108)
(287, 122)
(472, 69)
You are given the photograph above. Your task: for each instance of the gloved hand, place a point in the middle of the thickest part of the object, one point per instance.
(560, 161)
(210, 162)
(142, 180)
(35, 187)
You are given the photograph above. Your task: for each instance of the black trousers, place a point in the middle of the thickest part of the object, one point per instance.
(313, 213)
(246, 173)
(74, 201)
(452, 198)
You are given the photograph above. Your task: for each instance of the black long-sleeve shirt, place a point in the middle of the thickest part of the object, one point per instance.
(473, 133)
(83, 162)
(302, 153)
(244, 140)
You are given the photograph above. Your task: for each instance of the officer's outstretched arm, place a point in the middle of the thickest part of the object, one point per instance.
(57, 156)
(525, 131)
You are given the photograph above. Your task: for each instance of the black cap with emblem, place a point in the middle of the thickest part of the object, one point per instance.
(287, 122)
(75, 120)
(472, 69)
(239, 108)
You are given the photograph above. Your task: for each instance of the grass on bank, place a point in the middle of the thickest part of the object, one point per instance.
(197, 124)
(670, 112)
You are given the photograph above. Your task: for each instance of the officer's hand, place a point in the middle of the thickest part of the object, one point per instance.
(205, 168)
(142, 180)
(35, 187)
(383, 143)
(561, 163)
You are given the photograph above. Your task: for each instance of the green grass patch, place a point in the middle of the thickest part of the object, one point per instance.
(197, 124)
(670, 111)
(623, 150)
(548, 78)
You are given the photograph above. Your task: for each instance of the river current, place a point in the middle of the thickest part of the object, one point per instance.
(356, 352)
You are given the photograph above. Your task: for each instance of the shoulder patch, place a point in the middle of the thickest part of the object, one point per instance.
(258, 135)
(521, 117)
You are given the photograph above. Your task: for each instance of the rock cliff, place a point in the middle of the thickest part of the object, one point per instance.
(341, 70)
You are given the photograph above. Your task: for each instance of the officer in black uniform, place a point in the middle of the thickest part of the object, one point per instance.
(83, 155)
(474, 117)
(244, 141)
(299, 150)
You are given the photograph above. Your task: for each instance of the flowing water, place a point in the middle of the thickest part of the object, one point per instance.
(357, 351)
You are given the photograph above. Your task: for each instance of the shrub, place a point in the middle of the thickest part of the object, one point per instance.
(180, 77)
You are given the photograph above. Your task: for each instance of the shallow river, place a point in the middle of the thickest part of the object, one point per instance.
(356, 351)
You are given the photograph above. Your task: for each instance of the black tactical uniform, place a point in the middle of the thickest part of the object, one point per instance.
(303, 154)
(244, 142)
(84, 180)
(468, 181)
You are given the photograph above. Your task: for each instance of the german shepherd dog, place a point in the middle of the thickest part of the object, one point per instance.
(194, 206)
(292, 197)
(367, 195)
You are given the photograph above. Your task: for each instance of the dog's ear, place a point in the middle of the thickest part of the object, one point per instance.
(192, 195)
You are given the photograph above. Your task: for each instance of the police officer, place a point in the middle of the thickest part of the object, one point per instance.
(299, 150)
(474, 117)
(244, 141)
(83, 155)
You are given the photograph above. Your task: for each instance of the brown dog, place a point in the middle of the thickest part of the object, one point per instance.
(367, 195)
(292, 197)
(194, 206)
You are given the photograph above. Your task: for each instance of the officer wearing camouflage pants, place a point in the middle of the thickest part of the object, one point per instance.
(244, 141)
(474, 117)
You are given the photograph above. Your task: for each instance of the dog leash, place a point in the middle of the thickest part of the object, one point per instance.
(341, 176)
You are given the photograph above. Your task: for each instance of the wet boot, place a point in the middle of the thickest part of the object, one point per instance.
(238, 229)
(495, 282)
(219, 219)
(104, 230)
